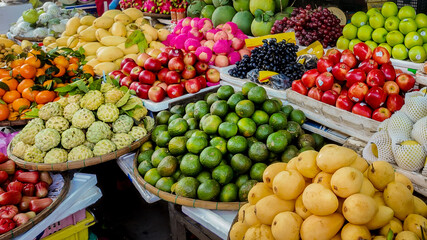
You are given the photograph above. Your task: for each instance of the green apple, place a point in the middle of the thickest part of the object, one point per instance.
(386, 46)
(413, 39)
(407, 25)
(392, 23)
(352, 43)
(364, 33)
(417, 54)
(376, 21)
(379, 34)
(406, 12)
(421, 20)
(349, 31)
(423, 34)
(389, 9)
(399, 52)
(371, 44)
(342, 43)
(394, 37)
(372, 11)
(359, 19)
(425, 46)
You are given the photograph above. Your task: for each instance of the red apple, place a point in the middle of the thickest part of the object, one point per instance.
(405, 81)
(344, 91)
(368, 65)
(182, 83)
(299, 87)
(315, 93)
(325, 81)
(175, 53)
(348, 58)
(140, 60)
(192, 86)
(202, 81)
(175, 90)
(162, 85)
(344, 102)
(362, 51)
(176, 64)
(134, 73)
(381, 55)
(354, 76)
(172, 77)
(391, 87)
(309, 78)
(337, 88)
(190, 58)
(189, 72)
(147, 77)
(375, 97)
(163, 58)
(375, 78)
(389, 72)
(116, 74)
(381, 114)
(358, 91)
(127, 68)
(134, 85)
(156, 94)
(125, 81)
(324, 64)
(142, 91)
(212, 75)
(201, 67)
(334, 55)
(124, 61)
(152, 64)
(362, 109)
(395, 102)
(161, 75)
(339, 71)
(330, 97)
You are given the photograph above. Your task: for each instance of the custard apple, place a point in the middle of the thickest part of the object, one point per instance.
(149, 123)
(70, 109)
(60, 124)
(138, 132)
(72, 137)
(80, 153)
(92, 100)
(107, 112)
(56, 155)
(105, 87)
(123, 124)
(33, 154)
(89, 145)
(36, 121)
(29, 132)
(19, 149)
(98, 131)
(122, 140)
(50, 109)
(15, 140)
(138, 113)
(103, 147)
(63, 101)
(47, 139)
(74, 98)
(83, 118)
(113, 96)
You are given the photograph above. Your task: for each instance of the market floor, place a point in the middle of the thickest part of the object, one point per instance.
(122, 213)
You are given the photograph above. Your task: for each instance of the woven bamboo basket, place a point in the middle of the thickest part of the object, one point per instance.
(7, 123)
(157, 15)
(189, 202)
(31, 39)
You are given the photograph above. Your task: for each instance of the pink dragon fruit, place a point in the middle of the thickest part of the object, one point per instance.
(185, 29)
(124, 4)
(179, 41)
(233, 57)
(204, 54)
(165, 7)
(222, 46)
(150, 6)
(138, 4)
(191, 44)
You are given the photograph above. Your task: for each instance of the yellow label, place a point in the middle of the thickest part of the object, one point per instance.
(257, 41)
(264, 76)
(315, 48)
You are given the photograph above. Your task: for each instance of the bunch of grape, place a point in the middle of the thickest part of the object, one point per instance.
(273, 56)
(4, 51)
(311, 25)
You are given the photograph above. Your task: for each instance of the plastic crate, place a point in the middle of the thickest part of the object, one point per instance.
(68, 221)
(419, 5)
(79, 231)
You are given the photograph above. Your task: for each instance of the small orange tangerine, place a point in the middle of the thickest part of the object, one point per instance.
(33, 61)
(20, 104)
(11, 96)
(30, 94)
(12, 83)
(61, 71)
(61, 61)
(45, 96)
(4, 112)
(26, 83)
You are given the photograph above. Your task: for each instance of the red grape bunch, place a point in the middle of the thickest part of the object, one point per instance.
(311, 25)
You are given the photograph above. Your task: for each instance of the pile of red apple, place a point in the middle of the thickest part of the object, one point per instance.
(23, 194)
(172, 73)
(363, 82)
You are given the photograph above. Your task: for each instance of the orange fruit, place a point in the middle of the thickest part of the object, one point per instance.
(46, 66)
(72, 69)
(73, 60)
(39, 106)
(56, 99)
(12, 83)
(4, 73)
(30, 94)
(61, 61)
(20, 104)
(17, 63)
(26, 83)
(88, 69)
(33, 61)
(61, 71)
(2, 92)
(4, 112)
(13, 116)
(10, 106)
(28, 71)
(40, 72)
(16, 72)
(35, 52)
(48, 82)
(45, 96)
(61, 85)
(11, 96)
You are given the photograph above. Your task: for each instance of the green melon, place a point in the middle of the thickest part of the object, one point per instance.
(261, 28)
(195, 8)
(207, 11)
(241, 5)
(222, 15)
(265, 5)
(243, 20)
(219, 3)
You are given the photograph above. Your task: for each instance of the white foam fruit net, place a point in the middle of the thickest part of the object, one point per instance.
(399, 127)
(383, 143)
(415, 105)
(419, 132)
(409, 157)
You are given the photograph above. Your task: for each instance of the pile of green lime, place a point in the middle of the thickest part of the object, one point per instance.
(218, 148)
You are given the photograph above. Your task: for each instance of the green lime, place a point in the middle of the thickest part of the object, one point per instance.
(203, 176)
(178, 127)
(234, 99)
(187, 187)
(319, 141)
(158, 155)
(223, 174)
(305, 149)
(287, 134)
(219, 108)
(294, 129)
(298, 116)
(277, 142)
(196, 144)
(143, 167)
(167, 166)
(278, 121)
(257, 94)
(178, 109)
(273, 157)
(306, 140)
(251, 140)
(148, 145)
(145, 156)
(245, 108)
(244, 190)
(212, 98)
(263, 132)
(208, 190)
(163, 117)
(240, 163)
(177, 174)
(224, 92)
(211, 124)
(199, 133)
(257, 170)
(247, 86)
(190, 133)
(177, 145)
(187, 116)
(192, 123)
(260, 117)
(227, 129)
(232, 117)
(190, 165)
(229, 193)
(241, 180)
(270, 106)
(189, 108)
(165, 184)
(220, 143)
(290, 152)
(247, 127)
(178, 179)
(223, 162)
(173, 117)
(201, 108)
(278, 101)
(210, 157)
(202, 120)
(258, 152)
(237, 144)
(207, 95)
(287, 109)
(163, 138)
(157, 130)
(152, 176)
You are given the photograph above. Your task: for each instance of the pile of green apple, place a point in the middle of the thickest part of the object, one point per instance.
(401, 31)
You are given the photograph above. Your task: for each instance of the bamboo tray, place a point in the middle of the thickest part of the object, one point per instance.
(7, 123)
(41, 215)
(189, 202)
(77, 164)
(157, 15)
(31, 39)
